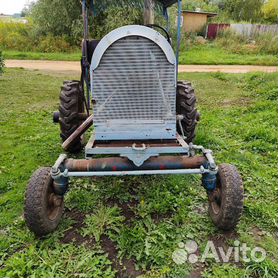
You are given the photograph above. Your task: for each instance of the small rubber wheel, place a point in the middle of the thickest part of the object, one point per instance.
(226, 201)
(43, 208)
(186, 106)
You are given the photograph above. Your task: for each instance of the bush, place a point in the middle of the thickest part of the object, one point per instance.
(50, 43)
(22, 37)
(15, 35)
(258, 43)
(2, 64)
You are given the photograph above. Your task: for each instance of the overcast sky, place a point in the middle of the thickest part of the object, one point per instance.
(12, 6)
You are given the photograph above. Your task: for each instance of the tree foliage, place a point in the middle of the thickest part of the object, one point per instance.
(270, 11)
(63, 18)
(57, 17)
(207, 5)
(244, 10)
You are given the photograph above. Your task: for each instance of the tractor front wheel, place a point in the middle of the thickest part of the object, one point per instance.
(226, 200)
(43, 208)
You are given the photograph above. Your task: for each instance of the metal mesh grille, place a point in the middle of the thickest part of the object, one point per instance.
(134, 81)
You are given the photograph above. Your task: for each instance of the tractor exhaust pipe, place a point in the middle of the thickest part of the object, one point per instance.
(115, 164)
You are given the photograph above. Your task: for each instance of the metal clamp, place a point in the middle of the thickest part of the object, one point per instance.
(207, 153)
(61, 182)
(59, 161)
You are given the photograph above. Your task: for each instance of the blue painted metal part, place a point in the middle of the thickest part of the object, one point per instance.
(178, 34)
(137, 154)
(166, 16)
(209, 181)
(61, 182)
(61, 185)
(130, 130)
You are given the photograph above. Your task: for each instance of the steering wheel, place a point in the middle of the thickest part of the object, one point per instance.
(163, 29)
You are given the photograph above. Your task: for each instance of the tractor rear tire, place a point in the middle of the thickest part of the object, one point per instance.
(71, 104)
(186, 106)
(43, 208)
(226, 200)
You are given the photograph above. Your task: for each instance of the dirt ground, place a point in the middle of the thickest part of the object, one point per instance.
(66, 67)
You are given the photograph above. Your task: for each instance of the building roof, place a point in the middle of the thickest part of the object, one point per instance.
(209, 14)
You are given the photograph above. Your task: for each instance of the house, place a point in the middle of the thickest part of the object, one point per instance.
(194, 21)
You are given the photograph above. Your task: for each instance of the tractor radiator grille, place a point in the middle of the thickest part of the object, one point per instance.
(134, 82)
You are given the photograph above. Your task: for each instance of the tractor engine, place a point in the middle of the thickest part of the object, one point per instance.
(133, 82)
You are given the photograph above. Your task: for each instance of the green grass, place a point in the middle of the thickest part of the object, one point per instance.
(196, 55)
(211, 55)
(21, 55)
(144, 218)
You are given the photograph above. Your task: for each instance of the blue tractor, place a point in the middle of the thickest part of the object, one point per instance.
(144, 123)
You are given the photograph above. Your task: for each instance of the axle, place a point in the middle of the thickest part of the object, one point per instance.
(124, 164)
(65, 168)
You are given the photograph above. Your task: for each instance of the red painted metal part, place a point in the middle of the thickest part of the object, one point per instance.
(124, 164)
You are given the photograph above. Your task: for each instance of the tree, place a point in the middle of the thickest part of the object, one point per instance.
(149, 12)
(244, 10)
(207, 5)
(64, 18)
(57, 17)
(270, 11)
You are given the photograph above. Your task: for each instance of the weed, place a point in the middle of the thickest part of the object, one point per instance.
(107, 220)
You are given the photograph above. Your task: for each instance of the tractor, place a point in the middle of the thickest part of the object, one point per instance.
(143, 122)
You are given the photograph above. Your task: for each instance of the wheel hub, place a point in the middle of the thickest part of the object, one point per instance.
(54, 203)
(215, 199)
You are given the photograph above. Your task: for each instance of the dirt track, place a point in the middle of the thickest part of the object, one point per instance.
(65, 67)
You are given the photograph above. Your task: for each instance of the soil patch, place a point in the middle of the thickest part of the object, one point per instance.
(73, 235)
(125, 267)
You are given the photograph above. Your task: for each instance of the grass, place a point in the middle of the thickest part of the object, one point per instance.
(21, 55)
(195, 55)
(211, 55)
(133, 225)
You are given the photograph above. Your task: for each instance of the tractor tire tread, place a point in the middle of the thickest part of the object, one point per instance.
(232, 201)
(71, 104)
(186, 106)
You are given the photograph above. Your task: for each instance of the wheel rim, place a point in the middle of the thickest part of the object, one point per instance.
(54, 203)
(215, 198)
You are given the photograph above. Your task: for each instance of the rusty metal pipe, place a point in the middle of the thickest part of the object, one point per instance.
(124, 164)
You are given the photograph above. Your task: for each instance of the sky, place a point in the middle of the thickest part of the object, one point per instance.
(12, 6)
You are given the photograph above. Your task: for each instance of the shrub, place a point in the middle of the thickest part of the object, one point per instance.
(50, 43)
(22, 37)
(258, 43)
(2, 64)
(15, 35)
